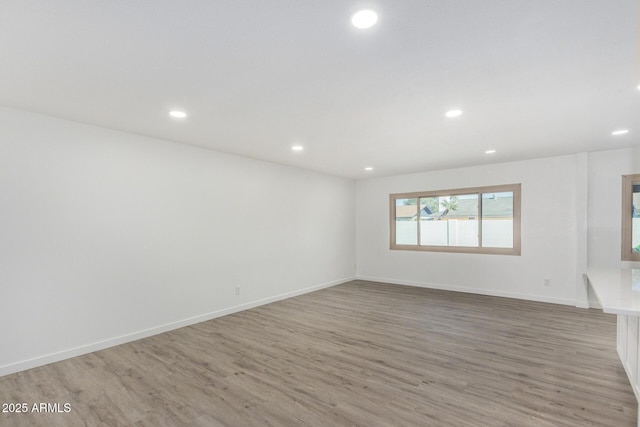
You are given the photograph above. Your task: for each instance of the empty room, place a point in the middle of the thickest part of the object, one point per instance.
(320, 213)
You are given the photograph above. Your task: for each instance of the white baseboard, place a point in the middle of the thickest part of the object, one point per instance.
(590, 304)
(478, 291)
(101, 345)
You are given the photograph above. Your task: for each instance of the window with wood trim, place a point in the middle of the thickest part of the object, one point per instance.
(631, 217)
(471, 220)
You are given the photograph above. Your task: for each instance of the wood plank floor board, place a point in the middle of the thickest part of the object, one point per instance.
(361, 354)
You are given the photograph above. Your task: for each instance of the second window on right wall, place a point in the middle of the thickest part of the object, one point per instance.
(631, 217)
(471, 220)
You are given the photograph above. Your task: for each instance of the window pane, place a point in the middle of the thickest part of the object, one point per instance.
(406, 221)
(449, 220)
(497, 220)
(635, 218)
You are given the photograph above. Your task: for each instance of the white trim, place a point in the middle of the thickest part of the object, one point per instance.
(478, 291)
(585, 304)
(593, 304)
(101, 345)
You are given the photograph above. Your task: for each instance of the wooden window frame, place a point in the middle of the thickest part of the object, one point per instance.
(515, 250)
(627, 203)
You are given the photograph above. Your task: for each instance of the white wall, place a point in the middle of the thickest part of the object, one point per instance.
(106, 236)
(571, 219)
(550, 233)
(605, 205)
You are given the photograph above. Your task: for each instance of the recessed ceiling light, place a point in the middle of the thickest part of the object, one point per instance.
(178, 114)
(297, 148)
(453, 113)
(368, 168)
(364, 19)
(620, 132)
(490, 152)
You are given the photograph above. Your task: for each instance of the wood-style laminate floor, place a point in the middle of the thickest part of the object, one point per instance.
(363, 354)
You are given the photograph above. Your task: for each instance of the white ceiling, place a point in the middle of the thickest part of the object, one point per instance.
(534, 78)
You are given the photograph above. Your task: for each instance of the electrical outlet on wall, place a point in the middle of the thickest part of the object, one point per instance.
(237, 290)
(547, 282)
